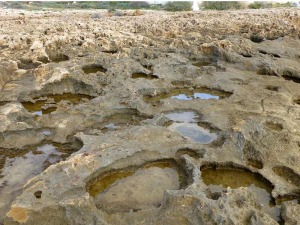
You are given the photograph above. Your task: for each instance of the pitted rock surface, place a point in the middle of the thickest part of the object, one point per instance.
(251, 57)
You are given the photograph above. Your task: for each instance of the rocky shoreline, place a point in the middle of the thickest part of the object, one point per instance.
(162, 118)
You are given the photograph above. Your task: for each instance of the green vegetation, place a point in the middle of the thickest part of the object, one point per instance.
(78, 5)
(139, 5)
(178, 6)
(263, 5)
(229, 5)
(257, 5)
(14, 5)
(124, 5)
(222, 5)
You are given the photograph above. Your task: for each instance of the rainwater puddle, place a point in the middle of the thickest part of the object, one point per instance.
(194, 132)
(42, 107)
(18, 166)
(228, 178)
(182, 97)
(111, 126)
(47, 132)
(189, 94)
(185, 123)
(136, 188)
(205, 96)
(195, 96)
(219, 178)
(143, 75)
(186, 116)
(117, 120)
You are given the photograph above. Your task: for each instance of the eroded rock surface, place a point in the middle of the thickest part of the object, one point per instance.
(148, 90)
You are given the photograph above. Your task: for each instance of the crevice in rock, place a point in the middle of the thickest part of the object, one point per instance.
(144, 75)
(297, 101)
(110, 51)
(291, 78)
(93, 68)
(28, 64)
(273, 125)
(246, 55)
(38, 194)
(252, 156)
(292, 196)
(273, 88)
(267, 71)
(256, 38)
(58, 57)
(194, 153)
(288, 174)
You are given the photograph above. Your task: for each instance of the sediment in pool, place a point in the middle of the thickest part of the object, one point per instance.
(119, 119)
(18, 166)
(47, 104)
(218, 178)
(136, 187)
